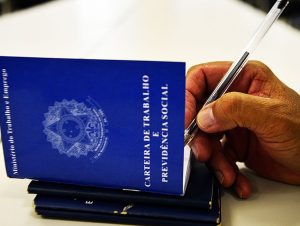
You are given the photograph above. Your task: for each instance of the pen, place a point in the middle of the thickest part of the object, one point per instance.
(238, 65)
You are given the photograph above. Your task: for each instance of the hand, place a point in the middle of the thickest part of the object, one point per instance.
(259, 123)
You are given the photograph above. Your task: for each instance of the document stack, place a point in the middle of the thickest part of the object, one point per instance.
(102, 140)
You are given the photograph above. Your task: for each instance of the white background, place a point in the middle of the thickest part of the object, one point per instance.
(193, 31)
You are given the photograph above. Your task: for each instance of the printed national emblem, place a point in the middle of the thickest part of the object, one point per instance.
(76, 129)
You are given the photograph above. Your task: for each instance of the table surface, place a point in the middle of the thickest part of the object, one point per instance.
(193, 31)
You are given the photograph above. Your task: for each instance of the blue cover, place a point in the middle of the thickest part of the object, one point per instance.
(105, 123)
(199, 192)
(116, 218)
(128, 209)
(70, 207)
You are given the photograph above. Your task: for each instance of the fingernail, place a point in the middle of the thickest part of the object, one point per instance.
(241, 195)
(239, 192)
(219, 176)
(205, 118)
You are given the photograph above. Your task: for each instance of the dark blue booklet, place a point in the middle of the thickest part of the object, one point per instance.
(130, 209)
(107, 123)
(117, 218)
(127, 212)
(119, 209)
(199, 192)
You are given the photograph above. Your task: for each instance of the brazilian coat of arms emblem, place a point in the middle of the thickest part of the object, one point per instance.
(76, 128)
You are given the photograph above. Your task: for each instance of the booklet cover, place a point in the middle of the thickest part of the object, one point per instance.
(199, 192)
(65, 214)
(72, 202)
(107, 123)
(127, 210)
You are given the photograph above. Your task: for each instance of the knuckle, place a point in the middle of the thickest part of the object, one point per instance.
(233, 108)
(258, 64)
(193, 69)
(229, 104)
(260, 68)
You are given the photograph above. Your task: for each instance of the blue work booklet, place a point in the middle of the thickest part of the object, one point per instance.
(201, 204)
(106, 123)
(198, 195)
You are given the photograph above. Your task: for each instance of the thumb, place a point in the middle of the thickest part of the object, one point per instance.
(235, 110)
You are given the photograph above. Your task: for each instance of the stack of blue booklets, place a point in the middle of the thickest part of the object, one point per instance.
(200, 205)
(79, 125)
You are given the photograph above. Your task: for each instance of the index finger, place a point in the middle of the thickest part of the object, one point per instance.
(200, 82)
(256, 79)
